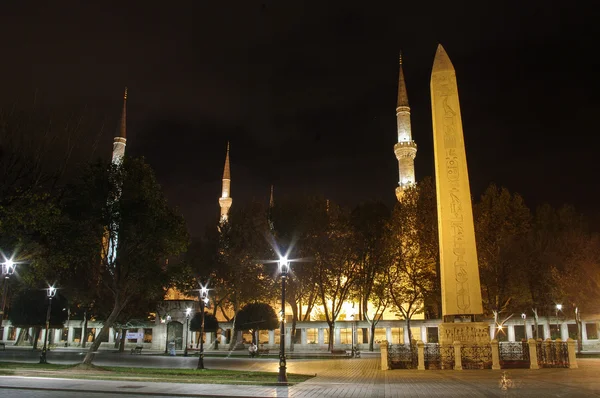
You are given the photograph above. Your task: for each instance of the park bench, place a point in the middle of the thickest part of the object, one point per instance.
(3, 346)
(356, 353)
(263, 351)
(137, 350)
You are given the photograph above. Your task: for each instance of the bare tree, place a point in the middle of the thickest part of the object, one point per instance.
(412, 257)
(368, 222)
(501, 221)
(335, 270)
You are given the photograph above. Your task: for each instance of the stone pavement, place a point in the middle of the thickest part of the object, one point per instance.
(356, 378)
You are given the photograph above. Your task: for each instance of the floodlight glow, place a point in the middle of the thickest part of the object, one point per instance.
(51, 291)
(8, 266)
(284, 265)
(188, 311)
(559, 307)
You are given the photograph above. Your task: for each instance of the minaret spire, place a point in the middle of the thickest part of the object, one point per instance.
(402, 94)
(406, 148)
(225, 199)
(120, 140)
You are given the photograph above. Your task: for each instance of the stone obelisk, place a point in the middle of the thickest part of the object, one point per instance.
(461, 290)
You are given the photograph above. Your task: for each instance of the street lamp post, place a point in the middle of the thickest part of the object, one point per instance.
(187, 330)
(203, 303)
(8, 268)
(50, 292)
(524, 316)
(284, 266)
(558, 308)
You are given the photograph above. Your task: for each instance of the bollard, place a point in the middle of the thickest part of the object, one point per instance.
(495, 355)
(572, 355)
(383, 348)
(533, 361)
(457, 356)
(421, 355)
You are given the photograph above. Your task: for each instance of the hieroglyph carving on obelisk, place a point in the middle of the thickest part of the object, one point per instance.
(461, 290)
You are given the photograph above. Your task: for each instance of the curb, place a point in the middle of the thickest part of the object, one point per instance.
(129, 392)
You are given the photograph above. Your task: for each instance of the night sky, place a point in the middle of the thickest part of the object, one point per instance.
(306, 91)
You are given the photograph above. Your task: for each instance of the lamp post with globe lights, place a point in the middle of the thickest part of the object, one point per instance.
(50, 293)
(524, 316)
(8, 268)
(188, 311)
(558, 308)
(353, 331)
(284, 267)
(203, 303)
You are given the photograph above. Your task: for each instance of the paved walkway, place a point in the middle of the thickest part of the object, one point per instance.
(356, 378)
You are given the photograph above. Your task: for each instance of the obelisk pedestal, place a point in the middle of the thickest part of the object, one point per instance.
(459, 272)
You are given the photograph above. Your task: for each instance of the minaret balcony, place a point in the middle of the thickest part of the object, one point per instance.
(405, 149)
(225, 202)
(402, 109)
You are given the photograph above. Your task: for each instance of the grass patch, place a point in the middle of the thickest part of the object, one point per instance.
(587, 355)
(205, 376)
(38, 366)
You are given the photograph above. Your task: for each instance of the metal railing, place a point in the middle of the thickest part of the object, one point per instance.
(476, 356)
(514, 355)
(438, 357)
(552, 354)
(402, 356)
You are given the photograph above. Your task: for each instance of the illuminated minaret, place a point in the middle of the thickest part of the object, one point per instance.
(225, 199)
(270, 213)
(406, 148)
(120, 140)
(117, 157)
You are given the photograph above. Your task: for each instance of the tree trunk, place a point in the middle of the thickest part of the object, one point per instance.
(493, 333)
(84, 336)
(89, 357)
(117, 338)
(293, 331)
(330, 339)
(21, 337)
(122, 340)
(408, 331)
(36, 336)
(372, 337)
(579, 330)
(233, 340)
(535, 323)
